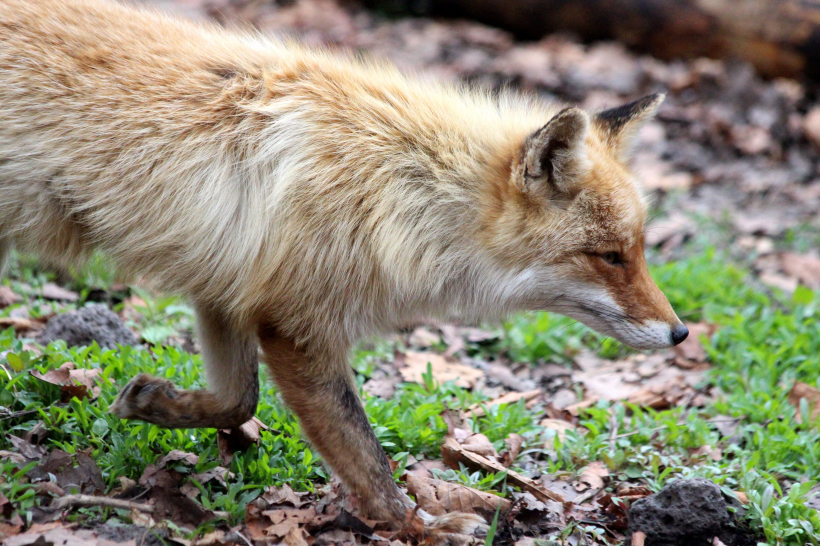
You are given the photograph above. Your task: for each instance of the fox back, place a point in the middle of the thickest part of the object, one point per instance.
(321, 193)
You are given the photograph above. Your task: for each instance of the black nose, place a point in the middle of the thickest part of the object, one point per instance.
(679, 333)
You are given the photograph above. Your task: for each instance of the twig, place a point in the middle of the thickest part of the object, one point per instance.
(581, 499)
(90, 500)
(17, 414)
(662, 427)
(613, 431)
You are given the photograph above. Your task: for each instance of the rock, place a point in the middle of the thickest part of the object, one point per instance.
(86, 325)
(687, 512)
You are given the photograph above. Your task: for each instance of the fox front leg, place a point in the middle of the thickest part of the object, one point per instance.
(320, 390)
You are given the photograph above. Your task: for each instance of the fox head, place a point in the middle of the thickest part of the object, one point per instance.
(573, 215)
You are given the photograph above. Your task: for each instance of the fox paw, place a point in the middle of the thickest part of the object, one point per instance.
(146, 398)
(454, 529)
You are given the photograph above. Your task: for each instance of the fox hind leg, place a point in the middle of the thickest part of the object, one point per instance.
(231, 365)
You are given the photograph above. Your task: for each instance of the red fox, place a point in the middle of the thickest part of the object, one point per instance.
(303, 200)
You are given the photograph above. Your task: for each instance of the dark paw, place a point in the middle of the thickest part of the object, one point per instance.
(147, 398)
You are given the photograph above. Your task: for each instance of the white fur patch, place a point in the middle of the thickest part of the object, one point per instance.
(594, 307)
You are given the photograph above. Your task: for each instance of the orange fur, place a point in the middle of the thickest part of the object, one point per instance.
(303, 200)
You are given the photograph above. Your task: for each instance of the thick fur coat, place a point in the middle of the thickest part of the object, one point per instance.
(303, 200)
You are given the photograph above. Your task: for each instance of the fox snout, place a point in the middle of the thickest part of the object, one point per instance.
(616, 296)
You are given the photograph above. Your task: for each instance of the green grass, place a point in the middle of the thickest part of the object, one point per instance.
(764, 343)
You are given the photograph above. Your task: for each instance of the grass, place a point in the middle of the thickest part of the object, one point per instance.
(765, 342)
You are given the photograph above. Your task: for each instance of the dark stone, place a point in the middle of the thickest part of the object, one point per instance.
(84, 326)
(690, 512)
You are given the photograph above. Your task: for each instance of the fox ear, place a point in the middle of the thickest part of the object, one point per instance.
(555, 155)
(622, 123)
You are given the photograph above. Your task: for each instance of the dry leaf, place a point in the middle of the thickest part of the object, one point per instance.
(51, 291)
(21, 325)
(591, 477)
(177, 455)
(425, 468)
(478, 443)
(74, 383)
(8, 296)
(691, 351)
(284, 520)
(239, 439)
(453, 455)
(439, 497)
(282, 495)
(508, 398)
(514, 442)
(442, 369)
(706, 452)
(812, 396)
(559, 426)
(803, 267)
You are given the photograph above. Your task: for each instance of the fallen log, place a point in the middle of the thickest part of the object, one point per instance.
(780, 37)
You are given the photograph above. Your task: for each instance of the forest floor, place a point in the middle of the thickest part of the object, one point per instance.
(538, 423)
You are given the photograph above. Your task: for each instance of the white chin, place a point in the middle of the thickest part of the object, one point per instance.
(649, 335)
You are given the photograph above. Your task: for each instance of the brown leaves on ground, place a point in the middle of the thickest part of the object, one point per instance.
(8, 297)
(443, 369)
(239, 439)
(74, 383)
(805, 391)
(788, 270)
(531, 398)
(454, 455)
(439, 497)
(643, 380)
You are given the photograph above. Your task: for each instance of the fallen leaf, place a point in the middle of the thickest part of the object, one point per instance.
(175, 455)
(286, 519)
(478, 443)
(706, 452)
(439, 497)
(74, 383)
(442, 370)
(8, 296)
(691, 351)
(22, 325)
(384, 387)
(297, 537)
(425, 468)
(218, 473)
(509, 398)
(239, 439)
(559, 426)
(51, 291)
(30, 451)
(591, 477)
(514, 442)
(282, 495)
(812, 395)
(803, 267)
(73, 473)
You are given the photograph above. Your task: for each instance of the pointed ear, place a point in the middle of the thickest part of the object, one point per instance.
(555, 156)
(621, 124)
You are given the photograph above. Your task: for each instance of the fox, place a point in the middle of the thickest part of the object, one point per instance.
(303, 200)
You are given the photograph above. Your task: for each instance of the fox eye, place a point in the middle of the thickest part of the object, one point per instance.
(612, 258)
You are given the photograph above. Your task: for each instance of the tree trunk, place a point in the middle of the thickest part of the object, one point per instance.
(780, 37)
